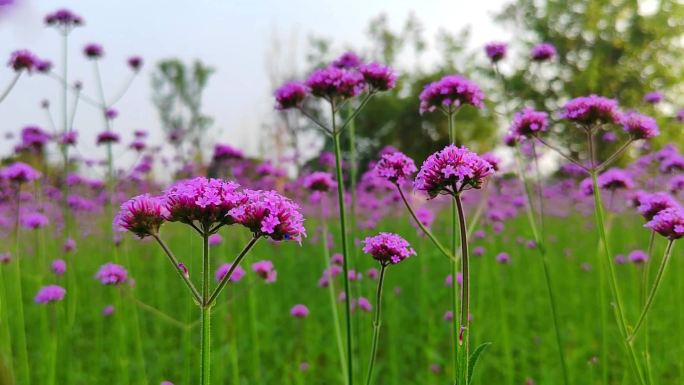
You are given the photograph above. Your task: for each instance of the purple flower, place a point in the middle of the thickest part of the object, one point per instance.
(615, 179)
(379, 77)
(395, 167)
(680, 115)
(237, 275)
(215, 239)
(503, 258)
(23, 60)
(290, 95)
(226, 152)
(34, 138)
(364, 304)
(299, 311)
(135, 63)
(609, 137)
(677, 184)
(265, 270)
(58, 267)
(69, 138)
(653, 97)
(201, 199)
(43, 66)
(449, 280)
(529, 122)
(19, 172)
(496, 51)
(49, 294)
(620, 259)
(63, 18)
(108, 310)
(5, 258)
(142, 215)
(592, 109)
(668, 223)
(319, 181)
(137, 145)
(478, 251)
(492, 159)
(651, 204)
(69, 245)
(543, 52)
(425, 216)
(333, 83)
(93, 51)
(348, 60)
(452, 170)
(267, 213)
(451, 91)
(638, 256)
(640, 126)
(34, 221)
(106, 137)
(112, 274)
(388, 248)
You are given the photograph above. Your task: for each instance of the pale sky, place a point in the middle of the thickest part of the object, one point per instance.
(234, 36)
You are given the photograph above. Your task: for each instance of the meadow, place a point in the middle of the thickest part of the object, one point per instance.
(568, 277)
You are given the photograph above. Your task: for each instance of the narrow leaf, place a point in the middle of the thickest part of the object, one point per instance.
(474, 357)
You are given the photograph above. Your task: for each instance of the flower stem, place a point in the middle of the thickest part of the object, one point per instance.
(11, 85)
(454, 270)
(376, 323)
(235, 264)
(22, 351)
(345, 254)
(205, 347)
(464, 331)
(654, 291)
(172, 258)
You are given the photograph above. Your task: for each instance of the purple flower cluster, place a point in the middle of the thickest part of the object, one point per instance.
(496, 51)
(591, 110)
(265, 270)
(395, 167)
(378, 77)
(267, 213)
(639, 126)
(451, 91)
(319, 181)
(34, 221)
(23, 60)
(106, 137)
(93, 51)
(222, 270)
(388, 248)
(49, 294)
(543, 52)
(290, 95)
(348, 60)
(19, 172)
(112, 274)
(653, 97)
(333, 83)
(299, 311)
(142, 215)
(451, 171)
(668, 223)
(226, 152)
(650, 204)
(529, 122)
(135, 63)
(33, 138)
(63, 18)
(200, 199)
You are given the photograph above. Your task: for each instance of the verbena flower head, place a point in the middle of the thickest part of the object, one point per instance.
(395, 167)
(34, 138)
(638, 256)
(653, 97)
(93, 51)
(49, 294)
(319, 181)
(19, 172)
(112, 274)
(379, 77)
(299, 311)
(142, 215)
(640, 126)
(58, 267)
(450, 92)
(492, 159)
(63, 18)
(668, 223)
(106, 137)
(591, 110)
(615, 179)
(388, 248)
(237, 275)
(201, 199)
(529, 122)
(652, 204)
(496, 51)
(348, 60)
(451, 171)
(290, 95)
(265, 270)
(215, 239)
(226, 152)
(335, 84)
(34, 221)
(23, 60)
(43, 66)
(269, 214)
(135, 63)
(543, 52)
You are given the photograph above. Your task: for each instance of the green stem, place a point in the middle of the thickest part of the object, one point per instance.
(234, 265)
(376, 323)
(22, 355)
(174, 261)
(654, 290)
(345, 254)
(205, 365)
(464, 332)
(454, 270)
(11, 85)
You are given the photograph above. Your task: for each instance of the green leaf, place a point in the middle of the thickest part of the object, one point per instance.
(474, 358)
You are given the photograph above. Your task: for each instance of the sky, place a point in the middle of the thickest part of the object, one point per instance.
(236, 37)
